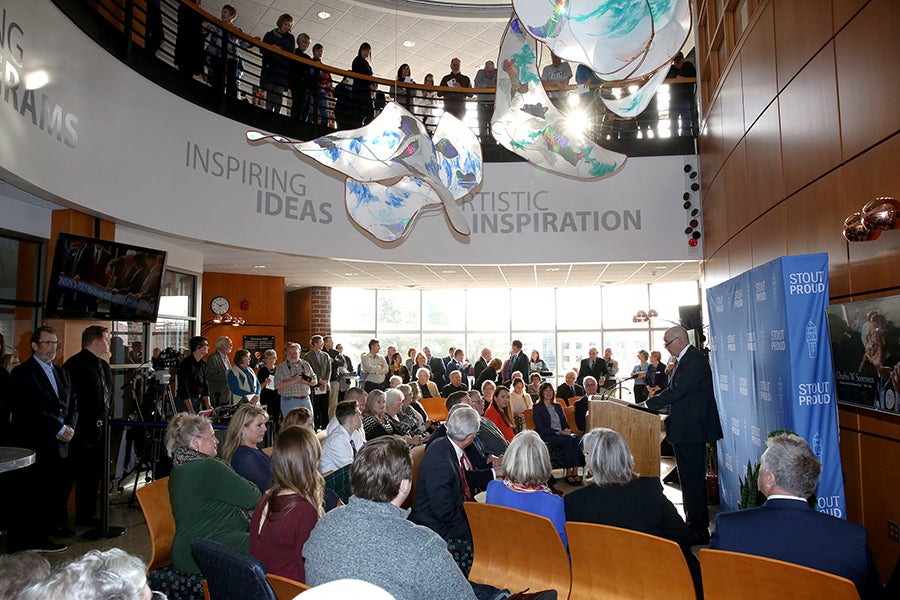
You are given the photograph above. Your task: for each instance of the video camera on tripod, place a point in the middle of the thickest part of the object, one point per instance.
(158, 391)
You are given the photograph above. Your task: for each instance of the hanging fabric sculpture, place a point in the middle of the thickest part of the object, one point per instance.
(527, 123)
(618, 39)
(395, 170)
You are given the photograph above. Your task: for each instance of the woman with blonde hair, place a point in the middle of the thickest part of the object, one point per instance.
(297, 417)
(527, 466)
(287, 513)
(241, 449)
(655, 378)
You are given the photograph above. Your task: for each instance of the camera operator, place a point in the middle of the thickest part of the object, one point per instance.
(193, 389)
(293, 379)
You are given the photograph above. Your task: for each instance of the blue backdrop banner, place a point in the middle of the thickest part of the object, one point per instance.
(772, 367)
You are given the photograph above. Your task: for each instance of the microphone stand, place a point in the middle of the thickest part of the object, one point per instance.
(105, 531)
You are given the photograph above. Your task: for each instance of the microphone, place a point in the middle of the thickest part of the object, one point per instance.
(609, 391)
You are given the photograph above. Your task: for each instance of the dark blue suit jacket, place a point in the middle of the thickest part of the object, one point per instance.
(791, 531)
(693, 416)
(519, 362)
(439, 499)
(37, 412)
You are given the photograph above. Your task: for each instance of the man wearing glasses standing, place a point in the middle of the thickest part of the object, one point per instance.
(43, 420)
(693, 421)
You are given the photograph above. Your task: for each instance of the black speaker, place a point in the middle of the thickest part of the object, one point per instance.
(691, 317)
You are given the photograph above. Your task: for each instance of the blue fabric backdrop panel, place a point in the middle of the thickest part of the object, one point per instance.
(762, 326)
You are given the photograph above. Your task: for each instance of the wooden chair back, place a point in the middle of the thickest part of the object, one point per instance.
(503, 537)
(529, 418)
(610, 562)
(739, 576)
(416, 454)
(435, 408)
(268, 450)
(157, 508)
(570, 417)
(284, 588)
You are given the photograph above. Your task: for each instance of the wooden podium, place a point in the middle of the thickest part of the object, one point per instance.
(642, 430)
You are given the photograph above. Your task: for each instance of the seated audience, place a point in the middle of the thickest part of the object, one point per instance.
(550, 423)
(490, 373)
(527, 465)
(582, 405)
(241, 449)
(569, 389)
(534, 385)
(500, 411)
(455, 385)
(287, 513)
(354, 394)
(490, 439)
(20, 570)
(242, 380)
(412, 414)
(345, 441)
(786, 528)
(424, 386)
(621, 498)
(97, 575)
(520, 402)
(441, 487)
(395, 381)
(297, 417)
(372, 540)
(207, 496)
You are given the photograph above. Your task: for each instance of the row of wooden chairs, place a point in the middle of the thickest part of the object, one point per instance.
(610, 562)
(157, 508)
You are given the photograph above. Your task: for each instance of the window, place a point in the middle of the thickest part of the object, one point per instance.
(561, 324)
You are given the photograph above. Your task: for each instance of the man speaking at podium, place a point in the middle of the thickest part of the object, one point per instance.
(693, 421)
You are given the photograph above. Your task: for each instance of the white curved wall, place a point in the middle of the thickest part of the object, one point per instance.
(103, 138)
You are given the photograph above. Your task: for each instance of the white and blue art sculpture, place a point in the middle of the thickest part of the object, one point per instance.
(395, 170)
(526, 122)
(630, 41)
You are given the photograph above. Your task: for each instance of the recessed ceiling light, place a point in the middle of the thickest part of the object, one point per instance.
(259, 266)
(350, 274)
(408, 44)
(448, 271)
(322, 14)
(552, 269)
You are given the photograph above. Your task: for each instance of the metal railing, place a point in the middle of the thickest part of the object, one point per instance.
(221, 67)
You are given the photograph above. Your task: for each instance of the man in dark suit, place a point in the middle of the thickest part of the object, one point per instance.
(569, 389)
(92, 383)
(582, 405)
(517, 361)
(437, 368)
(482, 362)
(594, 366)
(481, 457)
(786, 528)
(43, 419)
(441, 488)
(693, 421)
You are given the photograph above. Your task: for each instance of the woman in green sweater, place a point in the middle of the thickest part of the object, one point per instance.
(208, 497)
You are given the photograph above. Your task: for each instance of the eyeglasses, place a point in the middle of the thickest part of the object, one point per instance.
(49, 342)
(666, 344)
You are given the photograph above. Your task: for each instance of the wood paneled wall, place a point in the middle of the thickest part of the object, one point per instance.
(799, 129)
(264, 312)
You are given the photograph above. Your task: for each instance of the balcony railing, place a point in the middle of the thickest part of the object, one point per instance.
(222, 73)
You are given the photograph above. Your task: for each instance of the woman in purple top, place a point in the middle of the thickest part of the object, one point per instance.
(527, 465)
(288, 512)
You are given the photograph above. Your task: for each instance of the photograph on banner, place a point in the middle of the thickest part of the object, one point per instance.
(865, 345)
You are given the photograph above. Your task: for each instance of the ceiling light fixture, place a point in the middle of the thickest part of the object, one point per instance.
(323, 15)
(409, 44)
(259, 266)
(449, 271)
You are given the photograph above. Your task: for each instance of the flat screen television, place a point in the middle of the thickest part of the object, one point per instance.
(104, 281)
(865, 346)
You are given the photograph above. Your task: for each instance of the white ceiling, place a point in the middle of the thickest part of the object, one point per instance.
(440, 30)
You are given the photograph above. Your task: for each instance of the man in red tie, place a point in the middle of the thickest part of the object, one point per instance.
(693, 421)
(445, 481)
